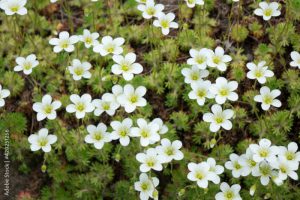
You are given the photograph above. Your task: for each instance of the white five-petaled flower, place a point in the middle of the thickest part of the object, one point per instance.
(106, 104)
(64, 42)
(170, 150)
(150, 160)
(213, 167)
(146, 186)
(285, 169)
(259, 72)
(81, 105)
(126, 66)
(246, 160)
(265, 171)
(235, 165)
(132, 98)
(296, 59)
(3, 94)
(218, 59)
(162, 128)
(229, 193)
(290, 154)
(109, 45)
(165, 21)
(117, 90)
(199, 58)
(12, 7)
(122, 131)
(41, 140)
(224, 89)
(267, 10)
(200, 91)
(201, 173)
(150, 9)
(218, 118)
(194, 74)
(97, 135)
(148, 132)
(89, 39)
(264, 151)
(26, 64)
(80, 69)
(193, 3)
(46, 108)
(268, 98)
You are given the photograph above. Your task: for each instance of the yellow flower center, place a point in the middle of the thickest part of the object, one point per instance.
(27, 65)
(15, 8)
(201, 93)
(105, 106)
(144, 186)
(145, 133)
(125, 67)
(267, 99)
(80, 107)
(150, 11)
(98, 136)
(216, 59)
(199, 175)
(150, 162)
(194, 76)
(224, 92)
(48, 109)
(200, 59)
(110, 48)
(268, 12)
(133, 98)
(283, 169)
(64, 44)
(236, 165)
(88, 40)
(265, 170)
(43, 142)
(123, 132)
(263, 153)
(289, 155)
(169, 151)
(164, 23)
(229, 195)
(78, 71)
(219, 119)
(258, 73)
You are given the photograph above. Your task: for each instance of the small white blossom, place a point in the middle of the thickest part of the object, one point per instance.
(296, 59)
(109, 45)
(259, 72)
(3, 94)
(162, 128)
(285, 169)
(122, 131)
(290, 154)
(150, 9)
(264, 151)
(97, 135)
(126, 66)
(146, 186)
(219, 60)
(268, 98)
(89, 39)
(165, 21)
(194, 74)
(229, 193)
(132, 98)
(80, 69)
(224, 89)
(265, 171)
(64, 42)
(235, 165)
(46, 108)
(106, 104)
(148, 132)
(200, 91)
(199, 58)
(193, 3)
(213, 167)
(12, 7)
(267, 10)
(150, 160)
(246, 160)
(41, 140)
(170, 150)
(81, 105)
(219, 118)
(117, 90)
(26, 64)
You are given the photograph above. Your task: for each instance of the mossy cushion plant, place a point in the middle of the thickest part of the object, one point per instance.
(144, 99)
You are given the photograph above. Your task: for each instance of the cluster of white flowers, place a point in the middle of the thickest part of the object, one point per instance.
(152, 10)
(221, 91)
(266, 161)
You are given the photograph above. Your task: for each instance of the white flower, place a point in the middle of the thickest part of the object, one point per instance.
(192, 3)
(81, 105)
(80, 69)
(41, 140)
(213, 167)
(150, 160)
(200, 91)
(199, 58)
(64, 42)
(265, 171)
(26, 64)
(218, 59)
(106, 104)
(132, 98)
(290, 154)
(200, 173)
(117, 90)
(3, 94)
(235, 0)
(122, 131)
(235, 165)
(109, 46)
(148, 132)
(285, 169)
(264, 151)
(296, 59)
(89, 39)
(146, 186)
(267, 98)
(150, 9)
(219, 118)
(246, 160)
(126, 66)
(170, 151)
(46, 108)
(267, 10)
(194, 74)
(53, 1)
(97, 135)
(162, 128)
(224, 89)
(165, 21)
(259, 72)
(12, 7)
(229, 193)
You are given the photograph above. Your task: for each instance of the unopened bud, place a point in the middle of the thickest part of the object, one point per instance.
(117, 157)
(181, 192)
(44, 168)
(212, 143)
(252, 190)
